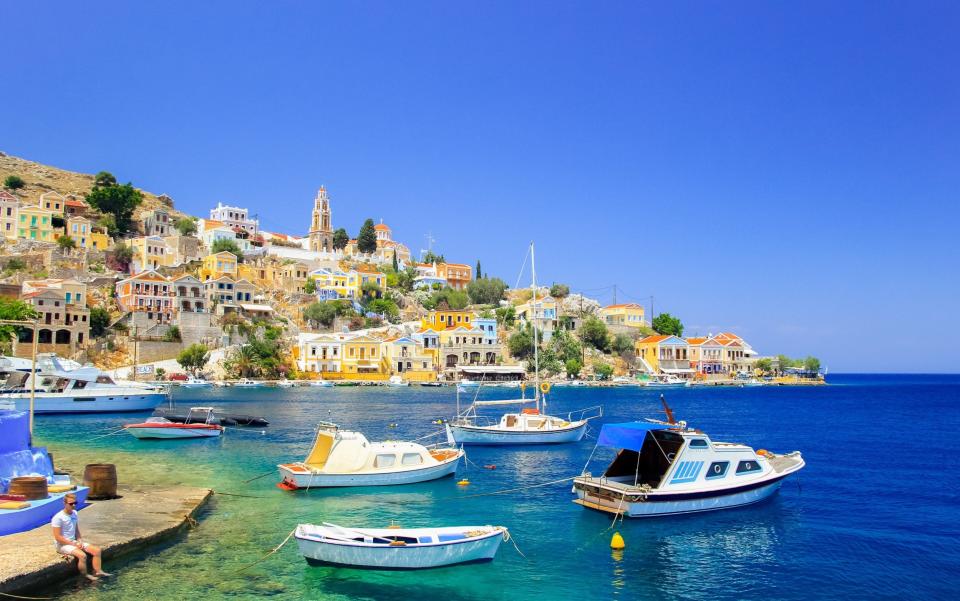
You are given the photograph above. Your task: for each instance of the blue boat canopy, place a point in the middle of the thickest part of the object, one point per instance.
(628, 435)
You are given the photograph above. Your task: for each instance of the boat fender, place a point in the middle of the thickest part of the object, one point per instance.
(616, 542)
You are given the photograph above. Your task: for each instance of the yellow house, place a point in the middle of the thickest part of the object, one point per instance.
(409, 360)
(363, 359)
(344, 284)
(369, 275)
(150, 252)
(36, 223)
(98, 240)
(78, 228)
(663, 354)
(627, 315)
(264, 276)
(443, 319)
(218, 265)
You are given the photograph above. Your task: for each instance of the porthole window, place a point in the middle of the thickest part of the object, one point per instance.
(717, 469)
(747, 467)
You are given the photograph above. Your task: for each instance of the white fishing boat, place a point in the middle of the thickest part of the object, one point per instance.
(286, 384)
(81, 390)
(398, 548)
(665, 468)
(397, 381)
(321, 384)
(346, 458)
(194, 382)
(529, 425)
(666, 381)
(200, 423)
(247, 383)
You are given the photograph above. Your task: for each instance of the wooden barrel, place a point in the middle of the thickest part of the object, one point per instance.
(102, 480)
(31, 487)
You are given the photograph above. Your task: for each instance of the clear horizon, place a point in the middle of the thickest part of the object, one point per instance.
(788, 173)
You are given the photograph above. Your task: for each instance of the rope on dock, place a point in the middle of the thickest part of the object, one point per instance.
(12, 596)
(275, 549)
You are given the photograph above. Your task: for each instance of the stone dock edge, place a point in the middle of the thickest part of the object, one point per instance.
(120, 527)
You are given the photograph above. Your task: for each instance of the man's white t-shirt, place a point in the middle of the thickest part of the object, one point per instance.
(67, 524)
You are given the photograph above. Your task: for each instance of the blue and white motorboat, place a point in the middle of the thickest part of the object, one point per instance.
(321, 384)
(666, 381)
(398, 548)
(194, 382)
(345, 458)
(57, 389)
(665, 468)
(19, 458)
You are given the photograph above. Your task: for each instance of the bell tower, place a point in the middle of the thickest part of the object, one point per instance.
(321, 231)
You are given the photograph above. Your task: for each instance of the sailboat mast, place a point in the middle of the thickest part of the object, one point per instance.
(536, 343)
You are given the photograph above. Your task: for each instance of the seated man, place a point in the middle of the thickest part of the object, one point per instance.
(66, 533)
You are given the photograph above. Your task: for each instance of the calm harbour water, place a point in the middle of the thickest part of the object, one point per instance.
(873, 514)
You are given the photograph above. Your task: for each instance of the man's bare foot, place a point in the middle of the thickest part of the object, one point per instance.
(91, 578)
(104, 574)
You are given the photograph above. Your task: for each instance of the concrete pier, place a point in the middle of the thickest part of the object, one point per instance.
(144, 515)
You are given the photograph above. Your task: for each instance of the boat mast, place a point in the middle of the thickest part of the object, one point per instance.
(536, 344)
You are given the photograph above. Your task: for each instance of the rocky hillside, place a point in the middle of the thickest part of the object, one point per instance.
(43, 178)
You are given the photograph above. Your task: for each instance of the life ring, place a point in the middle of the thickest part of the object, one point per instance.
(545, 387)
(523, 385)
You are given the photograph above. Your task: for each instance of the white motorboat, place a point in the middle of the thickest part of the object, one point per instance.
(665, 468)
(398, 548)
(81, 390)
(321, 384)
(194, 382)
(286, 384)
(528, 425)
(247, 383)
(200, 423)
(666, 381)
(345, 458)
(397, 381)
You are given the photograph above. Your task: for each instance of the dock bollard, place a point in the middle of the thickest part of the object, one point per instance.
(102, 480)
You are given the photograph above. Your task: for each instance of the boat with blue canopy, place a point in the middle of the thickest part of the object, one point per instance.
(666, 468)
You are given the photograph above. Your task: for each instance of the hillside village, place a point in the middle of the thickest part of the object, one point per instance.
(117, 276)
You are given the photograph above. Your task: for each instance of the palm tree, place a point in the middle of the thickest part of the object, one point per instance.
(243, 361)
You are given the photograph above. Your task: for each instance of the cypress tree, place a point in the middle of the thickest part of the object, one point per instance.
(367, 239)
(479, 273)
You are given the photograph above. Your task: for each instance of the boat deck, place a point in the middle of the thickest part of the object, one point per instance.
(144, 515)
(782, 463)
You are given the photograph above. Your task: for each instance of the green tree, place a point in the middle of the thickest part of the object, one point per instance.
(520, 344)
(228, 245)
(565, 345)
(194, 357)
(396, 266)
(340, 239)
(15, 310)
(122, 256)
(765, 365)
(573, 367)
(66, 243)
(405, 279)
(453, 299)
(622, 343)
(15, 264)
(119, 201)
(324, 313)
(431, 257)
(99, 321)
(187, 226)
(593, 332)
(559, 290)
(478, 274)
(172, 334)
(384, 306)
(13, 182)
(242, 362)
(811, 364)
(506, 316)
(367, 239)
(486, 291)
(603, 371)
(108, 223)
(784, 362)
(310, 287)
(370, 290)
(667, 325)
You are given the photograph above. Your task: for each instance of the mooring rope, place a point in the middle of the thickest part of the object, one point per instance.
(263, 475)
(233, 494)
(275, 549)
(12, 596)
(117, 431)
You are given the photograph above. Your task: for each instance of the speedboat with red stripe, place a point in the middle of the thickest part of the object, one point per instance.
(665, 468)
(199, 423)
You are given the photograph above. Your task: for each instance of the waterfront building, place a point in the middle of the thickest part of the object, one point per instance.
(443, 319)
(626, 315)
(320, 353)
(734, 357)
(148, 293)
(321, 228)
(487, 325)
(466, 346)
(662, 354)
(429, 341)
(362, 359)
(218, 265)
(407, 358)
(9, 210)
(35, 223)
(234, 217)
(706, 355)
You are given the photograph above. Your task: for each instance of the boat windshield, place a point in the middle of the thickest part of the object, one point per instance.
(660, 448)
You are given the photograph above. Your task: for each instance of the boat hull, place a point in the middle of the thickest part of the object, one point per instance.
(174, 433)
(489, 436)
(410, 557)
(671, 505)
(116, 403)
(39, 512)
(305, 478)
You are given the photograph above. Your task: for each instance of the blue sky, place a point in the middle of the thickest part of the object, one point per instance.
(788, 171)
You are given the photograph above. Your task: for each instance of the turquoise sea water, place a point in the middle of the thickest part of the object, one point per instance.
(873, 515)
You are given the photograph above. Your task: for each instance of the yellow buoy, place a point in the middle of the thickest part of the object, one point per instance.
(463, 482)
(617, 541)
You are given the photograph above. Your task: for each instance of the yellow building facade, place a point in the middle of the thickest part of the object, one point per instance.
(363, 358)
(219, 265)
(629, 315)
(36, 223)
(445, 319)
(664, 354)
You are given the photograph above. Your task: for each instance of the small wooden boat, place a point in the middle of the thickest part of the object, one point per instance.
(200, 423)
(345, 458)
(398, 548)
